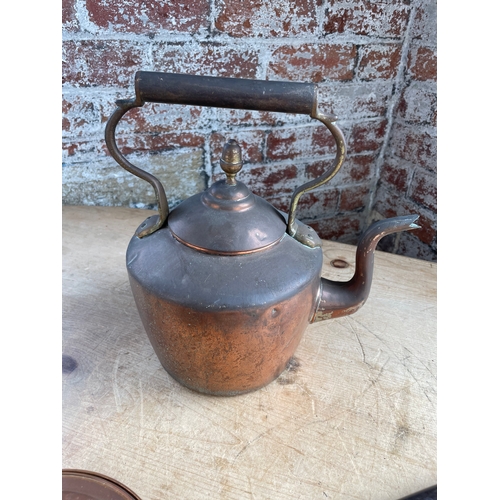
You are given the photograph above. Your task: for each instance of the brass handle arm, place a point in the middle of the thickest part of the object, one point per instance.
(235, 93)
(161, 198)
(329, 121)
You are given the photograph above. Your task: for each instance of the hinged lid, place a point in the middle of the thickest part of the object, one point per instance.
(227, 218)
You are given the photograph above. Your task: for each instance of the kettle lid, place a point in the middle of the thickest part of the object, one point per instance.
(227, 218)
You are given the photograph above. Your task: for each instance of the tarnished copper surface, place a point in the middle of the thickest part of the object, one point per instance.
(224, 353)
(227, 219)
(223, 325)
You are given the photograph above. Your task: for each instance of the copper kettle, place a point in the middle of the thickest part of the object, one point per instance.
(222, 310)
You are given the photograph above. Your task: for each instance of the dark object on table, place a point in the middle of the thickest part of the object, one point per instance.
(85, 485)
(427, 494)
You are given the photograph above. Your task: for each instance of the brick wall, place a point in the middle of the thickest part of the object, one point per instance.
(407, 181)
(374, 63)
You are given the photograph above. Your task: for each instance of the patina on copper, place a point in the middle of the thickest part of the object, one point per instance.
(226, 284)
(227, 218)
(224, 324)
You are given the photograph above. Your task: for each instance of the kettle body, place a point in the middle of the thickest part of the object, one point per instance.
(224, 325)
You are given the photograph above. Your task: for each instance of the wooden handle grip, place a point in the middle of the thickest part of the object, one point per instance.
(235, 93)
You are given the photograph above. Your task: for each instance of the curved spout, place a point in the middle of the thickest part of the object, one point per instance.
(344, 298)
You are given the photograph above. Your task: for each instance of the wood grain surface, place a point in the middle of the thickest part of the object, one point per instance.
(353, 418)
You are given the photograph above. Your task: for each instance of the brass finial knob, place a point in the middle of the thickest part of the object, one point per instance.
(231, 161)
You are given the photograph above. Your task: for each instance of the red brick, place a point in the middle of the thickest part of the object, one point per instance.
(318, 203)
(268, 181)
(354, 198)
(90, 63)
(387, 202)
(289, 143)
(81, 117)
(134, 144)
(388, 243)
(355, 100)
(425, 24)
(418, 103)
(69, 21)
(422, 64)
(148, 143)
(250, 141)
(355, 168)
(410, 246)
(207, 59)
(66, 123)
(313, 204)
(161, 118)
(318, 168)
(391, 204)
(261, 18)
(345, 228)
(314, 142)
(280, 203)
(127, 16)
(85, 115)
(397, 174)
(423, 188)
(417, 145)
(69, 149)
(150, 118)
(80, 148)
(312, 62)
(243, 118)
(322, 142)
(66, 106)
(366, 18)
(427, 232)
(367, 136)
(378, 61)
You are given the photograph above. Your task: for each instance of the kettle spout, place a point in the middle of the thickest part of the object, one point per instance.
(344, 298)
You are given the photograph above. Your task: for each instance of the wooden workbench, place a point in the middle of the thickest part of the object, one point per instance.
(355, 420)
